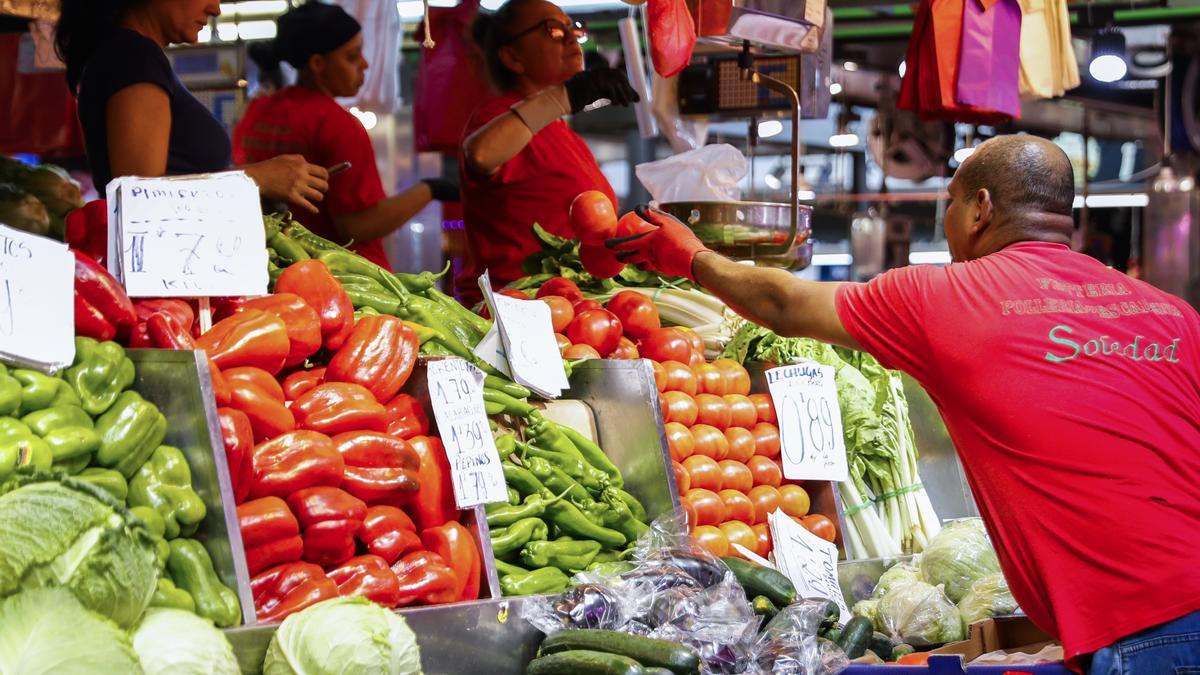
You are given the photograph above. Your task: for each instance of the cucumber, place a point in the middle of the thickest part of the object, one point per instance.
(856, 637)
(881, 645)
(901, 650)
(764, 607)
(678, 658)
(583, 662)
(833, 634)
(656, 671)
(759, 580)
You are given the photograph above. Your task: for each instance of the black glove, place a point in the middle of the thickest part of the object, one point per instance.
(443, 189)
(589, 86)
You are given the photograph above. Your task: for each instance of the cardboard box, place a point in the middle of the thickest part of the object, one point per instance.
(1011, 634)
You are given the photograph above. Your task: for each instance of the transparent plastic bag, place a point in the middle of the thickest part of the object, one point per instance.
(989, 596)
(959, 555)
(710, 173)
(920, 614)
(789, 643)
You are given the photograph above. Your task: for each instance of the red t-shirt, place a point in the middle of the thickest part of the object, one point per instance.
(301, 121)
(536, 186)
(1072, 394)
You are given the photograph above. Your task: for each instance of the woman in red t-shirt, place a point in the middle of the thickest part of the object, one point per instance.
(520, 163)
(325, 45)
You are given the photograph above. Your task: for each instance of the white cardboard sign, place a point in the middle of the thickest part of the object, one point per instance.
(456, 392)
(810, 422)
(37, 301)
(527, 334)
(807, 560)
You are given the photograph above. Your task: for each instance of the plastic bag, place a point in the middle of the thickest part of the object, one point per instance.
(959, 555)
(707, 174)
(789, 643)
(989, 596)
(682, 134)
(920, 614)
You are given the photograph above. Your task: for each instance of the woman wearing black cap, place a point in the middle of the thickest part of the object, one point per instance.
(325, 45)
(138, 119)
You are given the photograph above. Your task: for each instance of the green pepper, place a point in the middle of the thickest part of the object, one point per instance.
(533, 507)
(11, 427)
(21, 452)
(621, 519)
(192, 570)
(568, 556)
(154, 523)
(37, 389)
(514, 497)
(380, 301)
(287, 249)
(508, 405)
(577, 469)
(633, 504)
(10, 393)
(490, 408)
(167, 594)
(57, 417)
(72, 466)
(506, 444)
(523, 480)
(164, 483)
(108, 480)
(593, 454)
(548, 436)
(341, 261)
(65, 395)
(354, 280)
(612, 568)
(364, 311)
(570, 520)
(504, 569)
(557, 481)
(545, 580)
(506, 387)
(129, 432)
(610, 555)
(72, 444)
(518, 534)
(100, 373)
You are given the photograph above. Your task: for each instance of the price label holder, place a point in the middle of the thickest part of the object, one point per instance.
(807, 560)
(810, 422)
(527, 335)
(456, 392)
(37, 301)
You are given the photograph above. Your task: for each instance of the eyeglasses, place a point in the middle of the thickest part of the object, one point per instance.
(557, 30)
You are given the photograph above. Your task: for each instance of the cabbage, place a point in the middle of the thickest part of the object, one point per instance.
(23, 211)
(989, 596)
(346, 636)
(868, 609)
(958, 556)
(919, 614)
(895, 575)
(47, 631)
(71, 534)
(177, 642)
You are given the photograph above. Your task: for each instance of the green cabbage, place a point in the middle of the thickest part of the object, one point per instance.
(919, 614)
(47, 631)
(71, 534)
(989, 596)
(347, 636)
(868, 609)
(959, 555)
(177, 642)
(895, 575)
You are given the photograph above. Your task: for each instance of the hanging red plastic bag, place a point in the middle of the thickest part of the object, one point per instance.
(672, 35)
(711, 16)
(450, 82)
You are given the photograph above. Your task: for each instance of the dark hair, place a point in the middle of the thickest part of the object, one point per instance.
(493, 30)
(1024, 174)
(82, 25)
(312, 28)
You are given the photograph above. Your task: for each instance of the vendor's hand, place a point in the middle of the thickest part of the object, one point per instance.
(443, 189)
(671, 248)
(291, 179)
(589, 86)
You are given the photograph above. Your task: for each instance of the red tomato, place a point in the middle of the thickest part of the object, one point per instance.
(711, 539)
(737, 506)
(712, 410)
(560, 286)
(741, 534)
(680, 377)
(580, 352)
(593, 217)
(710, 510)
(710, 379)
(765, 471)
(689, 510)
(581, 306)
(680, 441)
(704, 472)
(660, 375)
(514, 293)
(666, 344)
(598, 328)
(766, 500)
(625, 350)
(737, 380)
(600, 261)
(735, 476)
(793, 500)
(680, 408)
(765, 408)
(741, 411)
(820, 525)
(561, 311)
(764, 539)
(694, 337)
(563, 342)
(741, 443)
(766, 439)
(683, 482)
(637, 313)
(631, 223)
(710, 441)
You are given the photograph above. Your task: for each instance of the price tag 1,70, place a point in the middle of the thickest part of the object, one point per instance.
(456, 392)
(807, 560)
(810, 422)
(37, 316)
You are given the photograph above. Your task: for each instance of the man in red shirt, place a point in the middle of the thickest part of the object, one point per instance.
(1071, 392)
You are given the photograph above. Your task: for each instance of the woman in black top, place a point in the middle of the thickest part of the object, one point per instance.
(138, 119)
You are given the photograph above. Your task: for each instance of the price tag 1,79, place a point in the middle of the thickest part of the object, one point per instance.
(456, 392)
(808, 561)
(810, 422)
(37, 316)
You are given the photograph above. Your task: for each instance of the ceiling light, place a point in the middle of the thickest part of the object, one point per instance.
(845, 140)
(903, 68)
(929, 258)
(962, 154)
(255, 30)
(850, 66)
(770, 128)
(834, 88)
(772, 181)
(1108, 56)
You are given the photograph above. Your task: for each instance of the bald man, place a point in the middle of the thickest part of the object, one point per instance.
(1071, 392)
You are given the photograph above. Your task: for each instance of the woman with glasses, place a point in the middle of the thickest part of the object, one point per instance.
(520, 163)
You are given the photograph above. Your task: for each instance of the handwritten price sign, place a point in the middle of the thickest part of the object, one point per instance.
(37, 316)
(810, 422)
(808, 561)
(456, 391)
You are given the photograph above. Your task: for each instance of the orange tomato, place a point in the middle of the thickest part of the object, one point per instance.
(680, 377)
(766, 500)
(710, 510)
(680, 408)
(695, 360)
(741, 443)
(765, 407)
(739, 533)
(737, 506)
(593, 217)
(561, 311)
(703, 472)
(735, 476)
(764, 539)
(625, 349)
(680, 441)
(660, 373)
(580, 351)
(710, 379)
(737, 380)
(741, 411)
(793, 500)
(712, 539)
(820, 525)
(689, 511)
(710, 441)
(695, 339)
(683, 482)
(766, 439)
(563, 341)
(712, 410)
(765, 471)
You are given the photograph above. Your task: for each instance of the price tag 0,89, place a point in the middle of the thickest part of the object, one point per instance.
(456, 392)
(810, 422)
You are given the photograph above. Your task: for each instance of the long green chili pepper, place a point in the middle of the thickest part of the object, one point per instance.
(288, 250)
(518, 534)
(570, 520)
(621, 519)
(633, 504)
(588, 477)
(511, 406)
(311, 242)
(523, 480)
(478, 323)
(557, 481)
(382, 302)
(506, 386)
(593, 454)
(545, 580)
(504, 569)
(492, 408)
(548, 437)
(450, 321)
(341, 261)
(533, 507)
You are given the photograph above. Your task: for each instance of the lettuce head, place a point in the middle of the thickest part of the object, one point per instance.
(46, 631)
(989, 596)
(178, 642)
(343, 636)
(958, 556)
(920, 614)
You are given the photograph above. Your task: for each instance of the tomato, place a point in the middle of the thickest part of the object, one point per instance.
(765, 407)
(600, 261)
(696, 361)
(666, 344)
(703, 471)
(710, 510)
(561, 311)
(741, 443)
(683, 482)
(820, 526)
(712, 410)
(794, 500)
(766, 439)
(710, 441)
(631, 223)
(514, 293)
(737, 506)
(694, 338)
(563, 342)
(680, 441)
(560, 286)
(765, 471)
(741, 411)
(737, 380)
(581, 306)
(598, 328)
(580, 352)
(680, 377)
(735, 476)
(741, 534)
(766, 500)
(625, 350)
(764, 539)
(710, 379)
(680, 408)
(660, 375)
(711, 539)
(637, 313)
(593, 217)
(689, 510)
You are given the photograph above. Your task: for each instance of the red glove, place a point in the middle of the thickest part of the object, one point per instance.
(670, 248)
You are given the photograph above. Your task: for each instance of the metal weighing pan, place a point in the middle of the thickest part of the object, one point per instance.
(757, 231)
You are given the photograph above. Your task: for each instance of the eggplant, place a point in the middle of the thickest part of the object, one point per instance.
(590, 606)
(658, 577)
(702, 567)
(676, 606)
(724, 658)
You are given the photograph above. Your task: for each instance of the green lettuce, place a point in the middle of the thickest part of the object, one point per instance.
(897, 574)
(46, 631)
(177, 642)
(346, 636)
(989, 596)
(920, 614)
(958, 556)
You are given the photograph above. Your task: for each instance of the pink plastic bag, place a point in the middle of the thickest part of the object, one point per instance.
(450, 82)
(990, 57)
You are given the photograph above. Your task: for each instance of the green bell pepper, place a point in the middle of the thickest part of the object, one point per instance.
(10, 393)
(504, 569)
(69, 444)
(46, 420)
(568, 556)
(108, 480)
(570, 520)
(129, 432)
(164, 483)
(167, 594)
(37, 389)
(100, 373)
(611, 568)
(65, 395)
(11, 427)
(545, 580)
(154, 523)
(513, 538)
(192, 570)
(24, 452)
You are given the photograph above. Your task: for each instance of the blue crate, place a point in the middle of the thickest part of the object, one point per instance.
(951, 664)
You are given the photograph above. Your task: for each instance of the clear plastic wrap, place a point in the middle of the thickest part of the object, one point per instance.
(919, 614)
(789, 645)
(959, 555)
(989, 596)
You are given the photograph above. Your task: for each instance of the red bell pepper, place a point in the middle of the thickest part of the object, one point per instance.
(312, 280)
(458, 548)
(86, 230)
(102, 309)
(179, 309)
(294, 461)
(249, 338)
(256, 377)
(379, 354)
(434, 504)
(173, 333)
(425, 578)
(335, 407)
(406, 417)
(330, 518)
(301, 381)
(303, 325)
(378, 466)
(221, 390)
(388, 533)
(165, 332)
(370, 577)
(269, 417)
(238, 437)
(289, 588)
(270, 533)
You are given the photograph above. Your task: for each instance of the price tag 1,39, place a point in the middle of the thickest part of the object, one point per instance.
(37, 314)
(810, 422)
(456, 392)
(808, 561)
